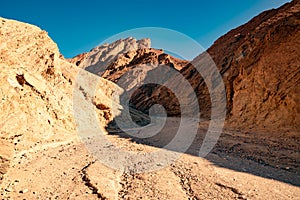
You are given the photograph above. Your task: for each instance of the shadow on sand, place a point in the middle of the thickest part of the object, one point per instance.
(232, 151)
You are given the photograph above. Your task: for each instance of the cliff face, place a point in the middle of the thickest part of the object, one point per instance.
(36, 92)
(260, 66)
(42, 157)
(133, 65)
(35, 102)
(97, 60)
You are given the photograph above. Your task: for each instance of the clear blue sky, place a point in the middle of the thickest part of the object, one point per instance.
(78, 26)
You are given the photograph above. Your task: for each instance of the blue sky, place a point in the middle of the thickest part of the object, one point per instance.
(78, 26)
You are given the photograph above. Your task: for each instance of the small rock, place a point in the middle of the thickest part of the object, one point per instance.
(24, 191)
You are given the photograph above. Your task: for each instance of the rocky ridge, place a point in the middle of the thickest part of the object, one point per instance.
(97, 60)
(42, 156)
(259, 63)
(37, 86)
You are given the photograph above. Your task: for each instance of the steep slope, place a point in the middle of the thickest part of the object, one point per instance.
(37, 92)
(260, 66)
(132, 65)
(120, 58)
(42, 157)
(35, 97)
(97, 60)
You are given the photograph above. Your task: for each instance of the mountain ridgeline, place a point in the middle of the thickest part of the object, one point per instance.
(259, 63)
(44, 98)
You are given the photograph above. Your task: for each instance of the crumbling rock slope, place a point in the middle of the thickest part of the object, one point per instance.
(259, 63)
(97, 60)
(41, 156)
(36, 92)
(133, 66)
(35, 96)
(260, 66)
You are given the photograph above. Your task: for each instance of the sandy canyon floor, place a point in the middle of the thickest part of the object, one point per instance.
(239, 167)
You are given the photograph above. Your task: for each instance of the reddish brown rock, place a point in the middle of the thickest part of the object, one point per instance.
(259, 63)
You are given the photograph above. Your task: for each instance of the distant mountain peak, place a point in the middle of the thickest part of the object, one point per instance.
(101, 56)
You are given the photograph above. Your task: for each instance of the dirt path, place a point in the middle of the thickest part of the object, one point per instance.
(68, 171)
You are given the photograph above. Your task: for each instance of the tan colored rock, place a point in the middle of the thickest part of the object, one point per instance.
(36, 91)
(41, 156)
(37, 82)
(97, 60)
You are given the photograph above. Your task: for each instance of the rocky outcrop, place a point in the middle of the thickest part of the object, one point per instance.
(41, 157)
(129, 59)
(36, 92)
(133, 66)
(259, 63)
(97, 60)
(35, 97)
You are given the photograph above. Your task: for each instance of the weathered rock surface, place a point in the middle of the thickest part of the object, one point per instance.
(260, 66)
(97, 60)
(259, 63)
(41, 156)
(37, 91)
(133, 66)
(35, 97)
